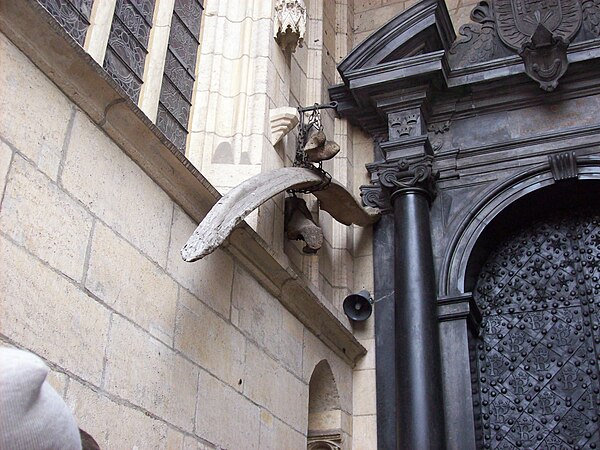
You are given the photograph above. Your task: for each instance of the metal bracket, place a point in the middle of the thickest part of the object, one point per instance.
(310, 121)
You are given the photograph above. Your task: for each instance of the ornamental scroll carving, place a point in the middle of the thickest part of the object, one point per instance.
(539, 31)
(290, 24)
(394, 178)
(403, 175)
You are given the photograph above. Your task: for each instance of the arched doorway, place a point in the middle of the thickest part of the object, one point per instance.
(537, 354)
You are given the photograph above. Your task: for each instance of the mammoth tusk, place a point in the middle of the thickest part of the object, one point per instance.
(238, 203)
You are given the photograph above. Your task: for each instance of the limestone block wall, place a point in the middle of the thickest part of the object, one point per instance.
(147, 350)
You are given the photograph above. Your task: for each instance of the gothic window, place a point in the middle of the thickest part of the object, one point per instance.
(179, 75)
(127, 44)
(72, 15)
(537, 358)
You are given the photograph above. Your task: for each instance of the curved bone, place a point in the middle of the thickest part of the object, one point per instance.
(343, 207)
(235, 206)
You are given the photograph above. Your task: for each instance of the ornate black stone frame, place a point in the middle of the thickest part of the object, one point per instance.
(402, 88)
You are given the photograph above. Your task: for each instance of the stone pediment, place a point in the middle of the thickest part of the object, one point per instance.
(421, 29)
(402, 56)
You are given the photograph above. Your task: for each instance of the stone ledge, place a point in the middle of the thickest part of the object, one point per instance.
(52, 50)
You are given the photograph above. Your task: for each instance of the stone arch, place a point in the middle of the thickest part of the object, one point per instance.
(324, 410)
(506, 205)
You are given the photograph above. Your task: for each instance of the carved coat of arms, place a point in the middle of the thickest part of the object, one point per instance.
(540, 31)
(517, 20)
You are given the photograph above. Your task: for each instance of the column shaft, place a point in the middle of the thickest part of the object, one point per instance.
(419, 381)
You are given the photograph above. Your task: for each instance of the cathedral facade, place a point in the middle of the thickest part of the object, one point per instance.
(460, 190)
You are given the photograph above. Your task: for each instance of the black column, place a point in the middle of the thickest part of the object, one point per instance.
(419, 382)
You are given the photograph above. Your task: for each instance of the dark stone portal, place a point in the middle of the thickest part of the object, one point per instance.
(538, 351)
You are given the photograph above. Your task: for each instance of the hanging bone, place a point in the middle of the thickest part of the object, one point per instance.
(299, 225)
(318, 148)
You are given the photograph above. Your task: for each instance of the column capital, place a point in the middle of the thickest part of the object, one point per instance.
(394, 178)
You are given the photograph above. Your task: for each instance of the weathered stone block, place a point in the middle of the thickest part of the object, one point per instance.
(367, 361)
(5, 158)
(225, 417)
(364, 435)
(211, 278)
(363, 5)
(35, 113)
(114, 425)
(270, 385)
(46, 313)
(131, 284)
(363, 392)
(190, 443)
(276, 435)
(115, 188)
(209, 341)
(175, 439)
(58, 381)
(42, 218)
(263, 318)
(363, 273)
(147, 373)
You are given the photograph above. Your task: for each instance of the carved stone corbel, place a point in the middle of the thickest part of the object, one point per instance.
(290, 24)
(283, 120)
(563, 166)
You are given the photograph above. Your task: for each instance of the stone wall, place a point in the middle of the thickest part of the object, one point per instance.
(147, 350)
(370, 15)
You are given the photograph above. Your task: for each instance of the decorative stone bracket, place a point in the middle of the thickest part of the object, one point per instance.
(283, 120)
(290, 24)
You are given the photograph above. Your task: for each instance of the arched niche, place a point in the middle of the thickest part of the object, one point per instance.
(324, 412)
(506, 206)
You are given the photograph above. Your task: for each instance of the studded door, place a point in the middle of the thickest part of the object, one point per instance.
(537, 357)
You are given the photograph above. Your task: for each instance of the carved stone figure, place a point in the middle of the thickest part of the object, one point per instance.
(290, 24)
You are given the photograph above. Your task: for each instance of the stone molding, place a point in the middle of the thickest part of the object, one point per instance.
(325, 442)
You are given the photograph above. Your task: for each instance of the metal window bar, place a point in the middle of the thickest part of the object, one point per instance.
(127, 44)
(179, 76)
(74, 17)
